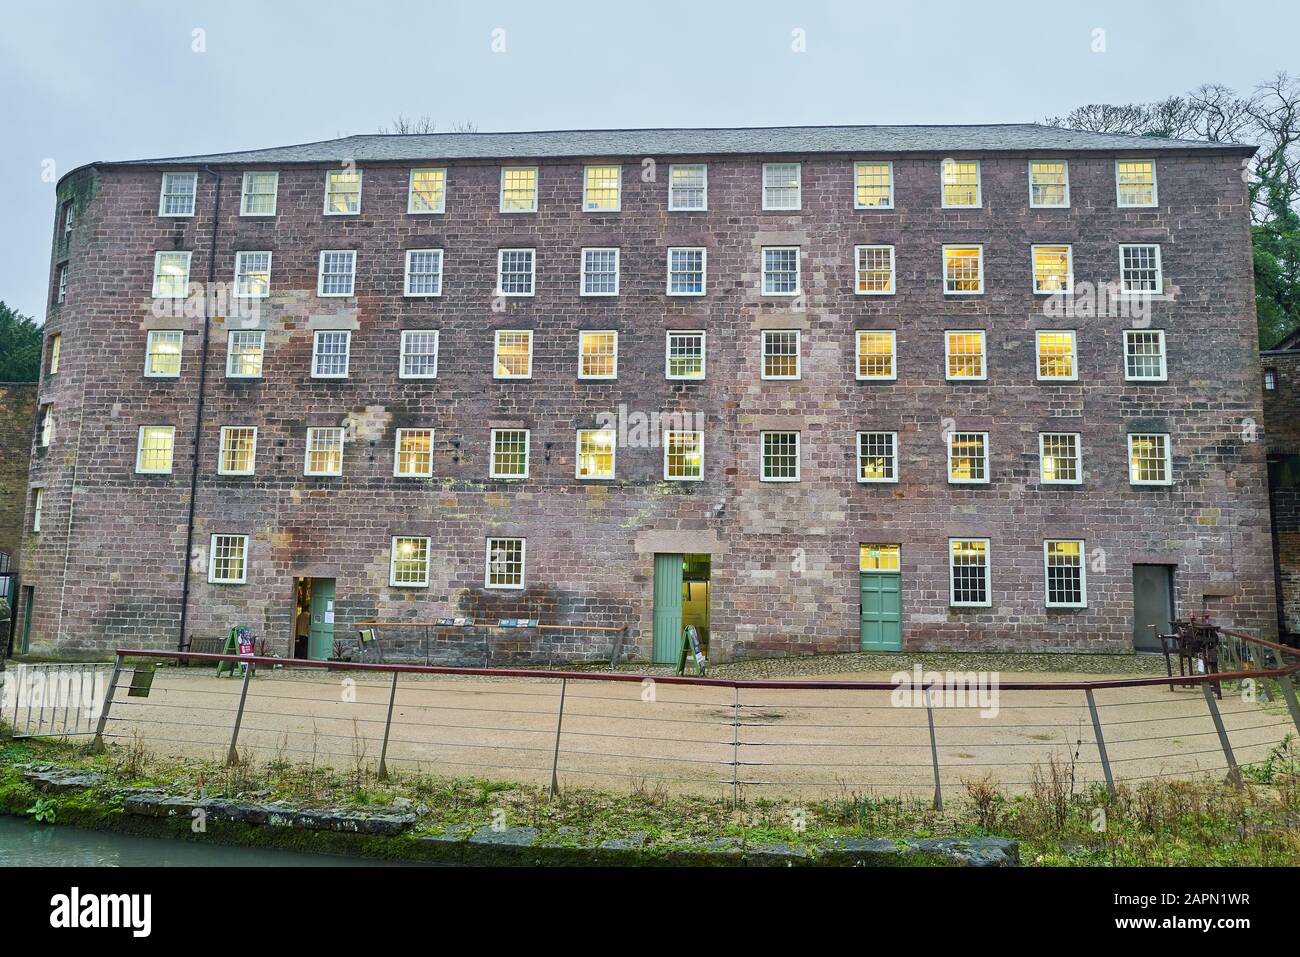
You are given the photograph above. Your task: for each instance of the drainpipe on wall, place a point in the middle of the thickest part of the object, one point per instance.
(198, 409)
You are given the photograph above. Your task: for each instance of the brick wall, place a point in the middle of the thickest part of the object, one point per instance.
(17, 422)
(1282, 437)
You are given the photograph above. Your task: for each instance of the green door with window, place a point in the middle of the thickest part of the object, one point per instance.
(320, 640)
(882, 611)
(668, 608)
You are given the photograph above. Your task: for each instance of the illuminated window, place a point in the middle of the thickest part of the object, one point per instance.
(162, 353)
(413, 457)
(513, 358)
(45, 425)
(968, 458)
(427, 192)
(228, 560)
(56, 346)
(1064, 574)
(62, 292)
(1053, 269)
(409, 565)
(688, 187)
(505, 563)
(880, 558)
(342, 192)
(781, 186)
(873, 185)
(1049, 183)
(337, 275)
(877, 456)
(600, 189)
(961, 182)
(876, 350)
(238, 450)
(1149, 459)
(419, 354)
(330, 353)
(596, 449)
(875, 270)
(178, 191)
(781, 353)
(253, 275)
(780, 270)
(257, 195)
(1139, 269)
(968, 566)
(244, 353)
(780, 456)
(963, 270)
(515, 268)
(686, 266)
(1056, 358)
(1059, 458)
(964, 354)
(1144, 355)
(1135, 182)
(423, 272)
(519, 189)
(154, 448)
(38, 505)
(683, 456)
(324, 452)
(600, 272)
(509, 453)
(597, 355)
(685, 355)
(171, 275)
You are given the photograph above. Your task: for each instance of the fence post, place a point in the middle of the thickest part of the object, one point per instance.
(735, 751)
(1101, 742)
(98, 743)
(555, 758)
(233, 754)
(388, 723)
(1234, 773)
(934, 753)
(1288, 692)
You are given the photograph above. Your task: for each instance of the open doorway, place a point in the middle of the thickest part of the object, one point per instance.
(313, 618)
(681, 597)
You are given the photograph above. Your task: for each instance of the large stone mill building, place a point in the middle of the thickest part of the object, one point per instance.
(809, 389)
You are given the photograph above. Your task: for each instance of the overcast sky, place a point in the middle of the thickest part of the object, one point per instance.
(94, 80)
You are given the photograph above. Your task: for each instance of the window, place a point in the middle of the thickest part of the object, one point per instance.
(342, 192)
(69, 219)
(880, 558)
(780, 457)
(228, 560)
(409, 565)
(688, 187)
(963, 270)
(596, 449)
(1049, 183)
(329, 354)
(1056, 355)
(514, 354)
(686, 267)
(968, 458)
(171, 276)
(961, 182)
(781, 186)
(257, 197)
(45, 426)
(338, 272)
(324, 452)
(253, 275)
(424, 272)
(877, 456)
(178, 190)
(414, 456)
(505, 563)
(597, 355)
(427, 191)
(876, 350)
(1139, 269)
(968, 566)
(419, 354)
(162, 354)
(1059, 458)
(873, 185)
(875, 270)
(62, 292)
(683, 456)
(600, 189)
(1149, 459)
(1144, 355)
(244, 352)
(781, 354)
(1270, 376)
(154, 448)
(238, 450)
(685, 355)
(1053, 269)
(1064, 574)
(1135, 182)
(509, 453)
(38, 505)
(599, 272)
(780, 270)
(56, 345)
(519, 189)
(515, 272)
(964, 352)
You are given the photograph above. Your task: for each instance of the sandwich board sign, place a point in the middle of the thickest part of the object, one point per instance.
(691, 648)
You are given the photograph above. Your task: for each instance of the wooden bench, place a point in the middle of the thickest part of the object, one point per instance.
(203, 645)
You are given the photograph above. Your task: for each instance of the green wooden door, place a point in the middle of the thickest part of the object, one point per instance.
(882, 611)
(320, 641)
(29, 599)
(1153, 605)
(668, 608)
